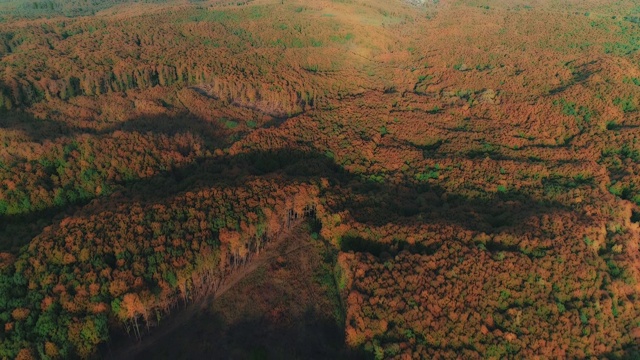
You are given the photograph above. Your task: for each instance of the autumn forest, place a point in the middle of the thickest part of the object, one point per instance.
(332, 179)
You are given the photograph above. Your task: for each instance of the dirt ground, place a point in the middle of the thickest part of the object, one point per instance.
(287, 308)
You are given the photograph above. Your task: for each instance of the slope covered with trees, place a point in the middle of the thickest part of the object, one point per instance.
(474, 168)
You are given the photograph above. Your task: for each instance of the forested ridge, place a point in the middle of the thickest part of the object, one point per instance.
(472, 169)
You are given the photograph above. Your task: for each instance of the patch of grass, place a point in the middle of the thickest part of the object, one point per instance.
(315, 42)
(433, 174)
(621, 48)
(464, 94)
(626, 104)
(629, 41)
(582, 114)
(296, 43)
(614, 270)
(568, 107)
(342, 39)
(311, 68)
(634, 81)
(230, 124)
(436, 109)
(257, 12)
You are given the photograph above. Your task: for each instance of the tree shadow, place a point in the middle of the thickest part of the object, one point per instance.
(209, 336)
(628, 353)
(580, 74)
(18, 229)
(403, 202)
(33, 128)
(368, 202)
(40, 130)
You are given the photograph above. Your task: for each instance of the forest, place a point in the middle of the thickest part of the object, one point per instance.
(402, 179)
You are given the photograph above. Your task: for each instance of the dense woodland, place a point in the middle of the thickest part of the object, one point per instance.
(475, 165)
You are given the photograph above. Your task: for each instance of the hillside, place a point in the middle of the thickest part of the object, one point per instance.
(462, 176)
